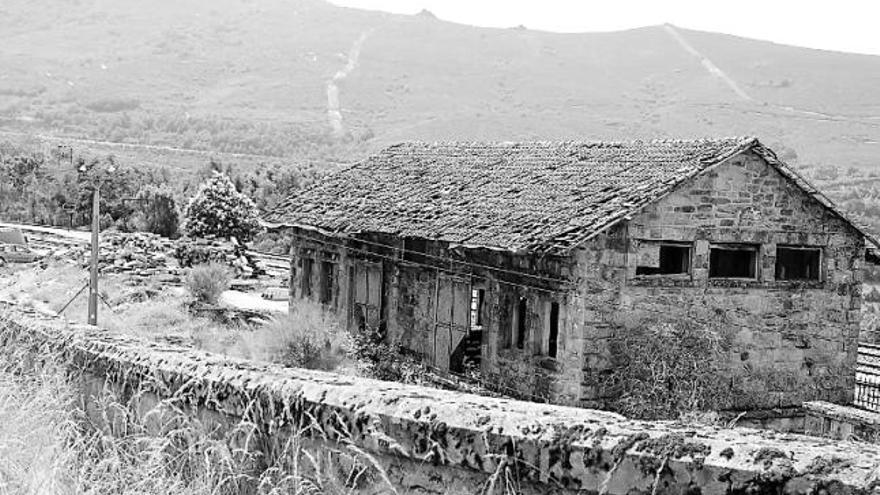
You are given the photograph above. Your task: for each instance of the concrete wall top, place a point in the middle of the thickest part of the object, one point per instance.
(842, 413)
(563, 448)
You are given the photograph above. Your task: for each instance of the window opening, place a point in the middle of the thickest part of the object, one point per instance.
(797, 263)
(733, 261)
(554, 330)
(415, 249)
(306, 281)
(477, 296)
(521, 323)
(328, 275)
(664, 259)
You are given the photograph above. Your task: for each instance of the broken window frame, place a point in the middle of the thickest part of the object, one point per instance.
(803, 248)
(753, 248)
(478, 301)
(688, 248)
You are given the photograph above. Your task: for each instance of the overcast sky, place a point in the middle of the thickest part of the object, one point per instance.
(843, 25)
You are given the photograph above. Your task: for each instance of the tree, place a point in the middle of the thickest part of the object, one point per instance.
(116, 182)
(219, 210)
(158, 211)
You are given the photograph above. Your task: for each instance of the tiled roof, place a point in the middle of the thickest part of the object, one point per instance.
(538, 196)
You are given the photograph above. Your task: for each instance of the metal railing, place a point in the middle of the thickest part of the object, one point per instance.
(867, 393)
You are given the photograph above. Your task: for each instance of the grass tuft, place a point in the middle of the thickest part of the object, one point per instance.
(207, 282)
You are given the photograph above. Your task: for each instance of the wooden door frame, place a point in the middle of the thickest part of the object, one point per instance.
(450, 326)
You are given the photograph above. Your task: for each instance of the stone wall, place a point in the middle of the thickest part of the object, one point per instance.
(824, 419)
(434, 441)
(786, 341)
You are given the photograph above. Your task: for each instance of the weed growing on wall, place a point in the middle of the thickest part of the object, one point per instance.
(385, 361)
(665, 370)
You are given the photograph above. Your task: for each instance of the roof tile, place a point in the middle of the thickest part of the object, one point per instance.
(535, 196)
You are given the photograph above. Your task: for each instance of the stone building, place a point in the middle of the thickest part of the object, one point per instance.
(530, 260)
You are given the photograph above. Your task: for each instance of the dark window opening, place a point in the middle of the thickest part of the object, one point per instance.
(506, 322)
(415, 250)
(291, 281)
(733, 261)
(554, 330)
(328, 276)
(521, 323)
(306, 280)
(665, 259)
(797, 263)
(477, 296)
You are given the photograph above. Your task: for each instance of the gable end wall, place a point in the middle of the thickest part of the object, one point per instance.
(789, 342)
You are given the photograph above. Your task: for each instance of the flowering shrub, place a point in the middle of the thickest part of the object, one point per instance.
(218, 209)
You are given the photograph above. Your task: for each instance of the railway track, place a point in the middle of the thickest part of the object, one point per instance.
(48, 238)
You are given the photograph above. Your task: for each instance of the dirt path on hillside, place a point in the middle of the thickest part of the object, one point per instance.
(710, 66)
(334, 108)
(716, 71)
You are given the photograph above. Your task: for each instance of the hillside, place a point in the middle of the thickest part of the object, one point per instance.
(304, 79)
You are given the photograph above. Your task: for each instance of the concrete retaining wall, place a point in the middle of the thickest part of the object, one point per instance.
(824, 419)
(433, 441)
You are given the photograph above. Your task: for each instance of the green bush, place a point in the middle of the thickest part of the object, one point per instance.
(158, 211)
(378, 359)
(207, 282)
(272, 242)
(189, 253)
(219, 210)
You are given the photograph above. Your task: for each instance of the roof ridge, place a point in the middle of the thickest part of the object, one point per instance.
(505, 195)
(743, 139)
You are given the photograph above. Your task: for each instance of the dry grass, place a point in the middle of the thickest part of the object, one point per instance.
(48, 445)
(34, 426)
(159, 318)
(307, 337)
(207, 282)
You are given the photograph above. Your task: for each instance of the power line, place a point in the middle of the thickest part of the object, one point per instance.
(406, 262)
(440, 258)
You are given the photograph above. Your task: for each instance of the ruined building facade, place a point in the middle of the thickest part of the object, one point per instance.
(531, 261)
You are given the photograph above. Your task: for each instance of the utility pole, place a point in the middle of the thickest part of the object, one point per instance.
(96, 226)
(93, 280)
